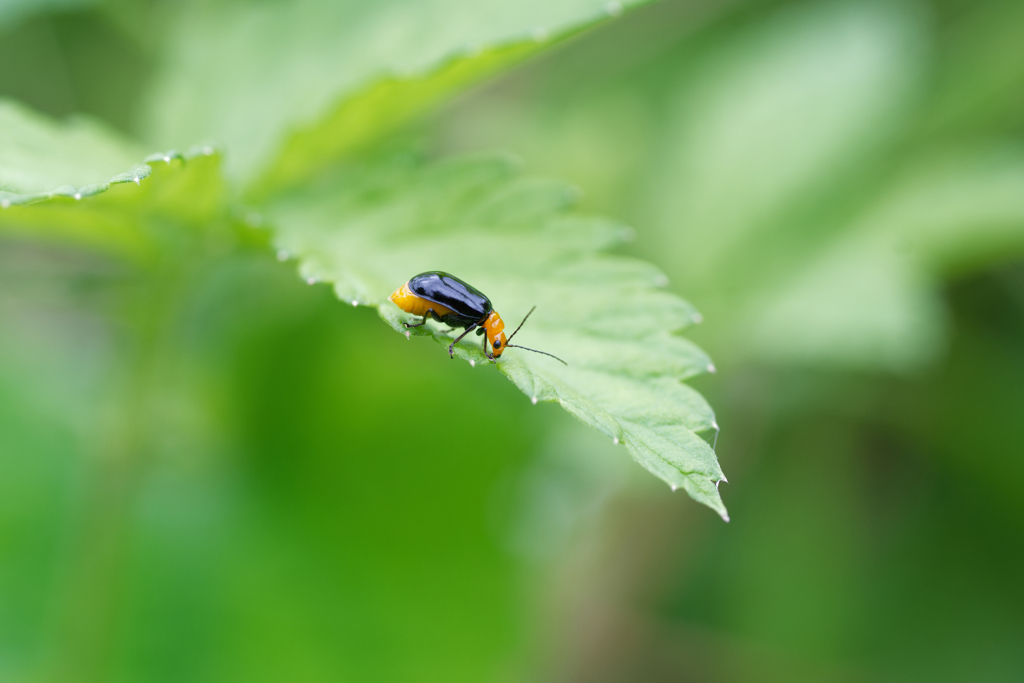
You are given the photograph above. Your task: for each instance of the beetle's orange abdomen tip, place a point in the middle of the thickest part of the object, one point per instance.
(410, 303)
(399, 293)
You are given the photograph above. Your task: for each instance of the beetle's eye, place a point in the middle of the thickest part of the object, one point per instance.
(497, 343)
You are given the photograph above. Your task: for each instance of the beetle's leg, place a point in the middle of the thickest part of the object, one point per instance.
(451, 347)
(421, 323)
(490, 356)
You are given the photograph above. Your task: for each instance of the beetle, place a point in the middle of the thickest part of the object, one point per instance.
(454, 302)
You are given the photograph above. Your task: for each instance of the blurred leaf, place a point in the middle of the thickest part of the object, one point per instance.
(13, 11)
(378, 108)
(773, 115)
(816, 244)
(955, 211)
(857, 304)
(981, 73)
(870, 297)
(81, 182)
(41, 158)
(334, 75)
(516, 239)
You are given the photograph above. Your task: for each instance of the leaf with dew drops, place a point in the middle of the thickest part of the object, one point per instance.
(80, 182)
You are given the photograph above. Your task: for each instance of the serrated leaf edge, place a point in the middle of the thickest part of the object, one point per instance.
(135, 175)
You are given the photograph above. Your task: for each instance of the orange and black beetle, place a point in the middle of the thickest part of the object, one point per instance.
(454, 302)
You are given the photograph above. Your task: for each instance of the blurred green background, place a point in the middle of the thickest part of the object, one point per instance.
(222, 474)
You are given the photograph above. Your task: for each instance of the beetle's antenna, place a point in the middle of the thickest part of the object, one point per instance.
(521, 325)
(516, 346)
(507, 344)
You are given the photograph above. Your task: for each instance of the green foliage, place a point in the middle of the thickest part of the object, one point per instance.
(810, 279)
(310, 80)
(374, 227)
(202, 454)
(870, 291)
(357, 122)
(291, 114)
(41, 159)
(798, 156)
(61, 183)
(12, 11)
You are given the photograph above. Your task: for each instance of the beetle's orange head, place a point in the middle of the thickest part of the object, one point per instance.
(494, 328)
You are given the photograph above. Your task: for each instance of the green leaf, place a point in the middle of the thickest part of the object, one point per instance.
(869, 296)
(305, 82)
(80, 182)
(953, 211)
(14, 11)
(368, 231)
(778, 114)
(822, 234)
(361, 120)
(41, 158)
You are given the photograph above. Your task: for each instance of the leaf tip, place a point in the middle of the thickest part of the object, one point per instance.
(282, 255)
(533, 400)
(355, 303)
(698, 318)
(310, 280)
(711, 368)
